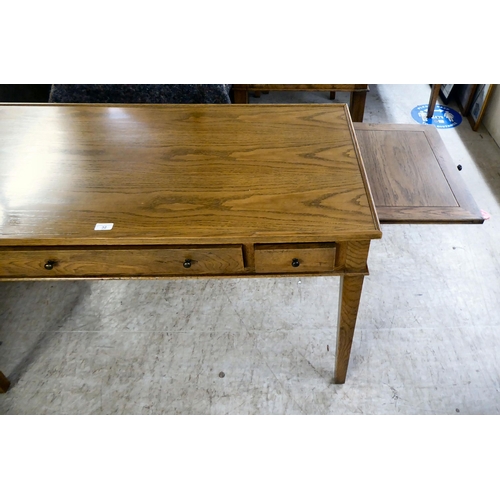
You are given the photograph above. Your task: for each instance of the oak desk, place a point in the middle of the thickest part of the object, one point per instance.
(190, 191)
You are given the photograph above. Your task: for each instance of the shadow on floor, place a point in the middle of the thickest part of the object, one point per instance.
(49, 307)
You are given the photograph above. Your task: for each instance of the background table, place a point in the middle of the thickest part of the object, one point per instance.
(357, 93)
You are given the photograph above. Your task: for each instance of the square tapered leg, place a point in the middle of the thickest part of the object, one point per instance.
(4, 383)
(350, 295)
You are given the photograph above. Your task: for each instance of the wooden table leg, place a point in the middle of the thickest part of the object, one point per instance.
(357, 105)
(4, 383)
(432, 100)
(333, 95)
(240, 96)
(350, 295)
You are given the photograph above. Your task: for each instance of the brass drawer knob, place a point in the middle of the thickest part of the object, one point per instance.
(295, 263)
(187, 263)
(49, 265)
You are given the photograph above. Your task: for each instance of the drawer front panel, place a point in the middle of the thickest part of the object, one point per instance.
(127, 262)
(305, 258)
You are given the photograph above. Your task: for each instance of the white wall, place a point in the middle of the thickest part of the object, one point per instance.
(491, 118)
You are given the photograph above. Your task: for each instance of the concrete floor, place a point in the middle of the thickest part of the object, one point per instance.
(427, 339)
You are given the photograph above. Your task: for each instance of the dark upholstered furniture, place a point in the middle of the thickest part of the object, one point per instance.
(18, 92)
(141, 93)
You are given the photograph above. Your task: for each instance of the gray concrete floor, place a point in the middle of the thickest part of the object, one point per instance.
(427, 339)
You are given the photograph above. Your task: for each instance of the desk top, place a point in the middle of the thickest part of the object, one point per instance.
(181, 174)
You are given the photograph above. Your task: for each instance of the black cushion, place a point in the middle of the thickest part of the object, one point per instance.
(147, 94)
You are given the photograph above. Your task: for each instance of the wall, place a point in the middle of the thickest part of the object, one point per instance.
(491, 118)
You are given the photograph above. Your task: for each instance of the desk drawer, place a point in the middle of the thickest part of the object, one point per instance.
(298, 258)
(116, 262)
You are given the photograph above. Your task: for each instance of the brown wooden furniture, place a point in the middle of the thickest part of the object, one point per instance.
(4, 383)
(191, 191)
(413, 177)
(435, 88)
(357, 99)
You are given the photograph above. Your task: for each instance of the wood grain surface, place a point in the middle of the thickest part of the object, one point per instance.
(412, 176)
(352, 256)
(121, 261)
(408, 174)
(350, 295)
(308, 258)
(175, 174)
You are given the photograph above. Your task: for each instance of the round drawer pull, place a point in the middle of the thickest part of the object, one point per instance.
(49, 265)
(295, 263)
(187, 263)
